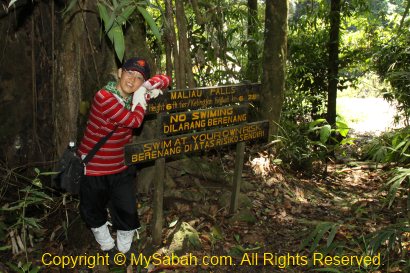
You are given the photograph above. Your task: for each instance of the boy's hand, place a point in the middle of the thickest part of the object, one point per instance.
(150, 90)
(159, 81)
(154, 93)
(140, 97)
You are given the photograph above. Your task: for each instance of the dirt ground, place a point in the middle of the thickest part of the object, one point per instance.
(278, 213)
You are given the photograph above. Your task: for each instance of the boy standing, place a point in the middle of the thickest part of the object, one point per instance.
(119, 106)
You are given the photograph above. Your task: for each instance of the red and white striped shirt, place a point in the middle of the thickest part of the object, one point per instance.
(107, 112)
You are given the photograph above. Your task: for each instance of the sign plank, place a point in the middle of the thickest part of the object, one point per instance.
(203, 119)
(204, 97)
(181, 144)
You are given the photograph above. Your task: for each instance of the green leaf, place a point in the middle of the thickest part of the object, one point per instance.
(48, 173)
(403, 151)
(323, 228)
(119, 43)
(306, 241)
(151, 23)
(332, 234)
(216, 233)
(26, 266)
(110, 35)
(342, 128)
(194, 240)
(103, 15)
(237, 238)
(37, 182)
(395, 139)
(349, 140)
(14, 267)
(325, 133)
(123, 17)
(110, 24)
(37, 170)
(102, 10)
(236, 251)
(395, 187)
(396, 147)
(377, 241)
(380, 154)
(315, 128)
(32, 222)
(70, 6)
(316, 122)
(44, 196)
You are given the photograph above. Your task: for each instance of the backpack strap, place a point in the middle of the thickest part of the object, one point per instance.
(97, 146)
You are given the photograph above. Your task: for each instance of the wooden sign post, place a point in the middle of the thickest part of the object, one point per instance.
(198, 119)
(158, 198)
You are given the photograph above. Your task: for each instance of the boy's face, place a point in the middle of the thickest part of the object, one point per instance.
(129, 81)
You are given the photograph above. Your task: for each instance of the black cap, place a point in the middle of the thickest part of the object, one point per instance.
(138, 64)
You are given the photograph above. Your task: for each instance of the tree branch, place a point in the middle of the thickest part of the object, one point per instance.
(406, 12)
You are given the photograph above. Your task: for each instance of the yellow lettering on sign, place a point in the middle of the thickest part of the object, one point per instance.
(186, 94)
(222, 91)
(199, 141)
(185, 126)
(177, 118)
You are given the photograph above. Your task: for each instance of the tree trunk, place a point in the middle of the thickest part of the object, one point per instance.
(184, 52)
(333, 68)
(200, 19)
(274, 56)
(171, 34)
(136, 43)
(251, 74)
(68, 83)
(168, 54)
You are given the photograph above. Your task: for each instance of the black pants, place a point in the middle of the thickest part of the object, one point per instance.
(114, 191)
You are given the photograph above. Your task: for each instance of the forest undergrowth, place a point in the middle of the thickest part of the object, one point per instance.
(283, 216)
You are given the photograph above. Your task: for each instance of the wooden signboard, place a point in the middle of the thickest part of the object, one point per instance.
(193, 120)
(203, 97)
(182, 144)
(196, 120)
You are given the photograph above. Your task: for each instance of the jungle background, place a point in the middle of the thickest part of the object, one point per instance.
(326, 181)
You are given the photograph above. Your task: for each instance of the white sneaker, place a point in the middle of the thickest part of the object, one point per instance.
(103, 237)
(124, 240)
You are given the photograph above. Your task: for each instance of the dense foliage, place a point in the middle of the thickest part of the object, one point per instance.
(392, 62)
(374, 38)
